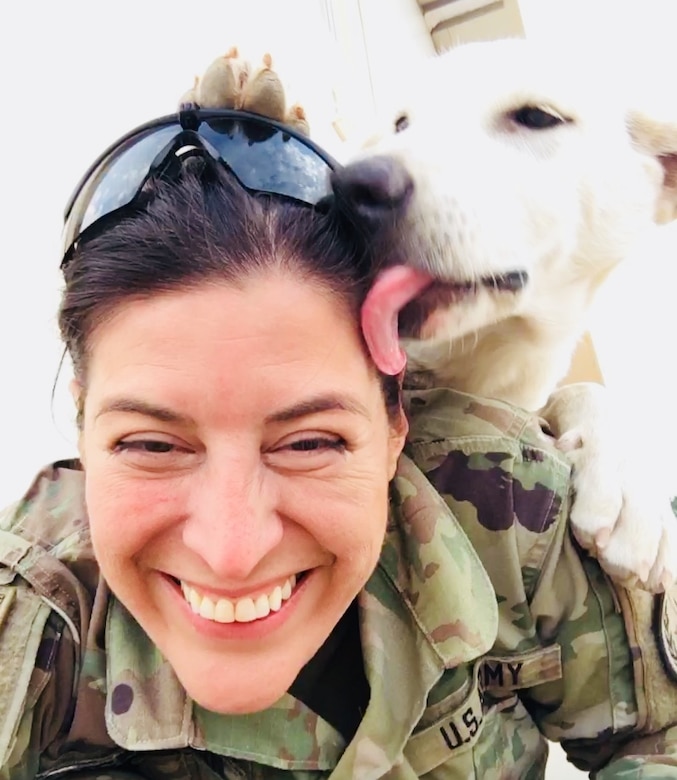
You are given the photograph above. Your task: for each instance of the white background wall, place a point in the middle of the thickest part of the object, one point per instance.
(75, 74)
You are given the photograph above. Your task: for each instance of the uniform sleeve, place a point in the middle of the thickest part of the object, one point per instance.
(34, 697)
(649, 758)
(44, 548)
(602, 674)
(612, 702)
(23, 762)
(615, 707)
(650, 751)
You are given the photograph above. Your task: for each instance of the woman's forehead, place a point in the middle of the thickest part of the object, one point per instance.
(276, 329)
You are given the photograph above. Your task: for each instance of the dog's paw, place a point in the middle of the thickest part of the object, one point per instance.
(263, 92)
(640, 553)
(223, 83)
(296, 118)
(230, 82)
(621, 513)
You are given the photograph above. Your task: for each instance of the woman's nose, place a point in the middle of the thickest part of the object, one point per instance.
(232, 522)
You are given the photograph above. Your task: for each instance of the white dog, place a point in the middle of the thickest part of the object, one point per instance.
(507, 193)
(503, 203)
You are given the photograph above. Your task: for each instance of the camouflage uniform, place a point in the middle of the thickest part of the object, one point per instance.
(483, 628)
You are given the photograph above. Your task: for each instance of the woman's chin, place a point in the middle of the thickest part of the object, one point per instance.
(228, 698)
(239, 683)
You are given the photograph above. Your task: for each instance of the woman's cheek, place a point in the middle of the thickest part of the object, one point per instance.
(123, 510)
(347, 517)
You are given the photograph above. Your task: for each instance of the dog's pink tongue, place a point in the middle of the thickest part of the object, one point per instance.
(393, 289)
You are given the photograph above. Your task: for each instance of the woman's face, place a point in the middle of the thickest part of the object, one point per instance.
(237, 455)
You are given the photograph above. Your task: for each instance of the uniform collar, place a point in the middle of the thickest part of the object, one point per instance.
(429, 606)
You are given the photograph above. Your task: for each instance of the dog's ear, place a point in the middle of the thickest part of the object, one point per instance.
(657, 136)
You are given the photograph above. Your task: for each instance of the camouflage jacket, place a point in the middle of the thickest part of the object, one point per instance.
(483, 628)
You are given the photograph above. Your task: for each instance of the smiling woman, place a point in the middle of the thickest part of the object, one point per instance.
(241, 479)
(215, 411)
(242, 575)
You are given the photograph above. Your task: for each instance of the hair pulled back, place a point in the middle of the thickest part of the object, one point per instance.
(205, 227)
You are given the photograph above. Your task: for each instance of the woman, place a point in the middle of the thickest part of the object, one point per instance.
(219, 588)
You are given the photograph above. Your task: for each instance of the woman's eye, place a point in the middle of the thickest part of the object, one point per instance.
(149, 446)
(311, 443)
(307, 452)
(538, 117)
(316, 444)
(153, 455)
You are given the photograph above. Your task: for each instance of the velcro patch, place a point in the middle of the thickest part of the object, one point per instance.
(504, 674)
(666, 624)
(455, 732)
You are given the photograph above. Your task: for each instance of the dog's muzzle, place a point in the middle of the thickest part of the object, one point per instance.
(441, 294)
(402, 299)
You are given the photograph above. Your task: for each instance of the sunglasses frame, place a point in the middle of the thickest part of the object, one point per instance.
(186, 120)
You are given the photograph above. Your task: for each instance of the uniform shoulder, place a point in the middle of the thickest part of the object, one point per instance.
(47, 579)
(441, 413)
(495, 467)
(51, 513)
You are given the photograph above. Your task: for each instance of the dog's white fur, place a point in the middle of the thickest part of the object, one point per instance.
(565, 204)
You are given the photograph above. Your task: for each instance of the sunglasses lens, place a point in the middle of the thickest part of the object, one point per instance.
(116, 180)
(266, 159)
(263, 157)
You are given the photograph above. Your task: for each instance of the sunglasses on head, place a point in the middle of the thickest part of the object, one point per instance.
(265, 156)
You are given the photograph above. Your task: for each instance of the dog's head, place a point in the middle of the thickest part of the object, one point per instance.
(513, 174)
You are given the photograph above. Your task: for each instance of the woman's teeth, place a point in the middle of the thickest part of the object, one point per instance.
(243, 610)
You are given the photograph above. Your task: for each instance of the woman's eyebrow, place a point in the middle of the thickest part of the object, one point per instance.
(137, 406)
(321, 403)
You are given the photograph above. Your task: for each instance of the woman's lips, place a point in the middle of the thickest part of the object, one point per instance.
(238, 628)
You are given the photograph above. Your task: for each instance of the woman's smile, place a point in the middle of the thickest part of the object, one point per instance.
(244, 619)
(243, 609)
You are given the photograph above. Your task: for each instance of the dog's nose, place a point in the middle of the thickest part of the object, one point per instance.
(376, 187)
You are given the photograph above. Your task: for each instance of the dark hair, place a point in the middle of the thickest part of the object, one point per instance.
(195, 229)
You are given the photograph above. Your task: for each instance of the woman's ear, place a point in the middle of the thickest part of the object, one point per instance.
(399, 427)
(77, 394)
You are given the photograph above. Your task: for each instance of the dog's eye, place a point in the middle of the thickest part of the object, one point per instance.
(538, 117)
(401, 123)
